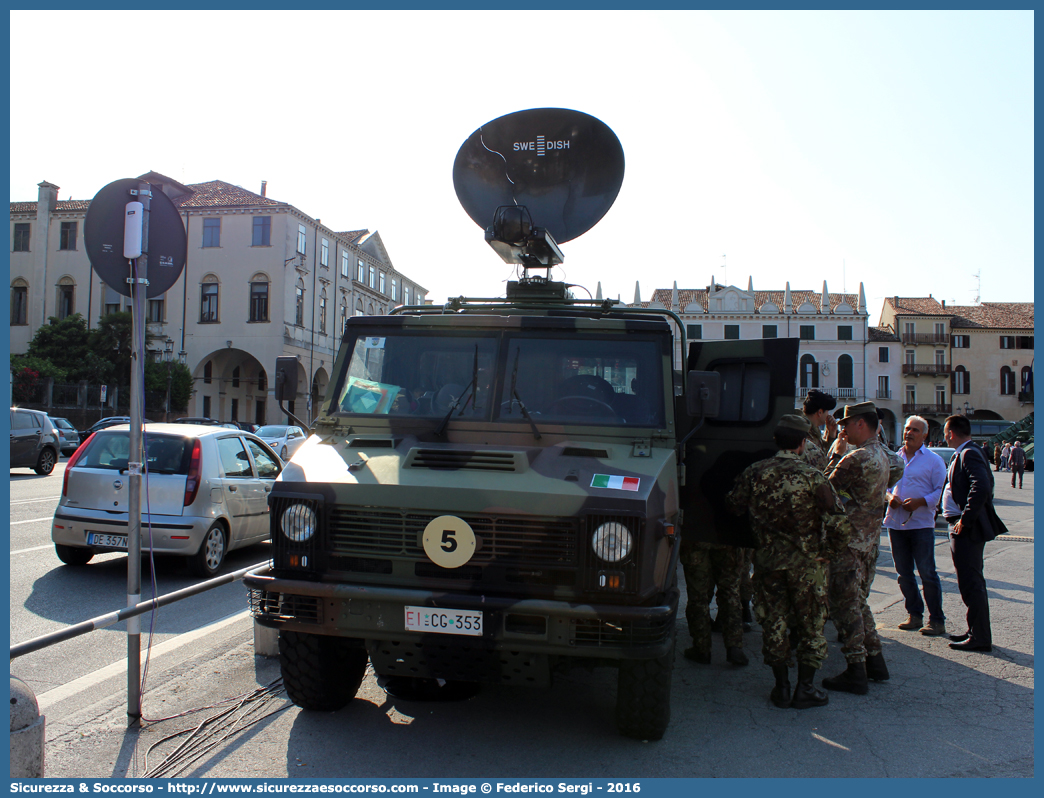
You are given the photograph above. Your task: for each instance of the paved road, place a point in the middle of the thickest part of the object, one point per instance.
(47, 596)
(942, 714)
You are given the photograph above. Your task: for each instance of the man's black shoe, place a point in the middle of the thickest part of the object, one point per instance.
(971, 645)
(960, 638)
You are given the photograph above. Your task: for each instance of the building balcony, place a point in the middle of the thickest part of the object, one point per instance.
(837, 393)
(1026, 397)
(926, 368)
(926, 338)
(927, 410)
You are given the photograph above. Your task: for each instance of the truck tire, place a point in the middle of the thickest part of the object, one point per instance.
(643, 696)
(321, 673)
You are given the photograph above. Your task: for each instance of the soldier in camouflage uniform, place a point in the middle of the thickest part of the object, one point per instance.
(817, 407)
(706, 565)
(860, 470)
(800, 523)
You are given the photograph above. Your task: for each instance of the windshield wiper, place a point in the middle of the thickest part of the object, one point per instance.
(521, 404)
(441, 429)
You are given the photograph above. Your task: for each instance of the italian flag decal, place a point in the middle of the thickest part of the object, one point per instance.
(615, 483)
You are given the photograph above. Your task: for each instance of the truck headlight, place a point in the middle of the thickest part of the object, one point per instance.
(612, 541)
(298, 522)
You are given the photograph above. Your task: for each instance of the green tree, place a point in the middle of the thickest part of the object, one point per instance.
(64, 344)
(111, 342)
(180, 383)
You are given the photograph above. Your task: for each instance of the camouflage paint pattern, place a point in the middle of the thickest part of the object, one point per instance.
(800, 523)
(816, 450)
(861, 477)
(705, 566)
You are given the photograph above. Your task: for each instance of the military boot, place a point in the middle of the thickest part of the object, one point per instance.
(876, 668)
(780, 695)
(734, 656)
(851, 680)
(912, 623)
(698, 654)
(807, 695)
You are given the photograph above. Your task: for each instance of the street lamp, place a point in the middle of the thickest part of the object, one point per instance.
(168, 355)
(968, 409)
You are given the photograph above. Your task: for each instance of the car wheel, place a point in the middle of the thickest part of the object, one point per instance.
(45, 465)
(283, 454)
(73, 555)
(211, 554)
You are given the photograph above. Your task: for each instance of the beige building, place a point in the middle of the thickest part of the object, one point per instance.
(975, 360)
(262, 279)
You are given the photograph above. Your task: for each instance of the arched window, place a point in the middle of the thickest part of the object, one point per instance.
(961, 381)
(259, 290)
(359, 308)
(19, 303)
(845, 372)
(66, 304)
(208, 300)
(1026, 382)
(809, 371)
(1007, 379)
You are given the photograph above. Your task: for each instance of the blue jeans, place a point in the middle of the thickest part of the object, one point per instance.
(917, 546)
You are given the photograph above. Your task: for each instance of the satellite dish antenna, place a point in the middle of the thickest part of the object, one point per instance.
(539, 177)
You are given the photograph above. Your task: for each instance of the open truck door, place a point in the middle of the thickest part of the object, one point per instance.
(756, 389)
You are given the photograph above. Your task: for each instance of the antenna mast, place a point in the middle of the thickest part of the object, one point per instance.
(978, 286)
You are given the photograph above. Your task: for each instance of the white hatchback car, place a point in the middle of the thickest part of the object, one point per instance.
(204, 492)
(282, 438)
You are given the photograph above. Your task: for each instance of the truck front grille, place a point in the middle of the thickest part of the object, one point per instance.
(622, 633)
(285, 607)
(507, 540)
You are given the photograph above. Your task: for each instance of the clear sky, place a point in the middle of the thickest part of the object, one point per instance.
(892, 148)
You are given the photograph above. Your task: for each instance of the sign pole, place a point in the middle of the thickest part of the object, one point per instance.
(138, 289)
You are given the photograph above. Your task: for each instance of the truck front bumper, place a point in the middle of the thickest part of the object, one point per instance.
(538, 626)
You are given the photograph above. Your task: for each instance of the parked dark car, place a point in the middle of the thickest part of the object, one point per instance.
(105, 423)
(34, 441)
(70, 438)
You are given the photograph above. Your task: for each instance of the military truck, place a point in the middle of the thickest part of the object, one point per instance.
(496, 490)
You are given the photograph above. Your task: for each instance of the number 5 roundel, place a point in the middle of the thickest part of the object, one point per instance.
(448, 541)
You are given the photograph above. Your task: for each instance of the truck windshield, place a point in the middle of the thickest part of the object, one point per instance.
(560, 378)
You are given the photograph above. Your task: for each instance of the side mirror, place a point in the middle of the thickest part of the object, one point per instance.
(286, 379)
(703, 393)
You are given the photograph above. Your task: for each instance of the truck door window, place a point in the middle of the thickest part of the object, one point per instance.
(745, 392)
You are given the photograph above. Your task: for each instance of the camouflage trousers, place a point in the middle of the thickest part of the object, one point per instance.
(792, 599)
(851, 575)
(706, 565)
(746, 585)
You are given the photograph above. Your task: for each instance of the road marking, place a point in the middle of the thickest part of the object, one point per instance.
(36, 501)
(33, 520)
(34, 548)
(90, 680)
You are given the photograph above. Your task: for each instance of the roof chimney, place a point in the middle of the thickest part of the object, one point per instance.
(944, 303)
(264, 186)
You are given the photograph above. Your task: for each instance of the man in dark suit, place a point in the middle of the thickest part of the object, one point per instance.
(968, 509)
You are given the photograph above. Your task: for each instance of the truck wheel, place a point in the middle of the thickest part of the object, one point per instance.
(643, 696)
(73, 555)
(321, 673)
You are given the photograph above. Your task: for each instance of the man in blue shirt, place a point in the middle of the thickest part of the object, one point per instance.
(910, 522)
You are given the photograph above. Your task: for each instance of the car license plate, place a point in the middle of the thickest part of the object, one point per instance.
(442, 621)
(112, 541)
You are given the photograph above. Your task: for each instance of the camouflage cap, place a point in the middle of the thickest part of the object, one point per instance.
(858, 410)
(792, 421)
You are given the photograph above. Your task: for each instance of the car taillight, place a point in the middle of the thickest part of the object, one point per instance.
(195, 473)
(72, 462)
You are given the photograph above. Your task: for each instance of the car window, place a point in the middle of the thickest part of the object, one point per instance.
(168, 455)
(107, 450)
(234, 458)
(267, 468)
(22, 420)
